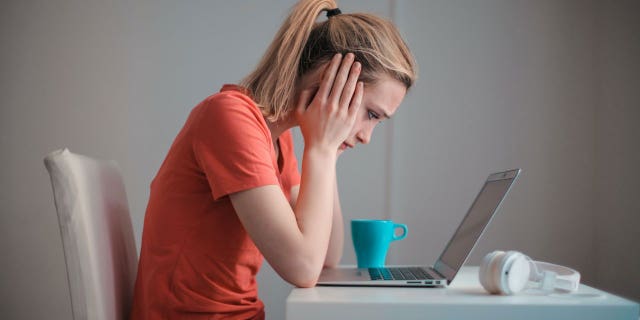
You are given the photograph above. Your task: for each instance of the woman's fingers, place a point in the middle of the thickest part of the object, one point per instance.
(340, 79)
(328, 77)
(356, 100)
(350, 86)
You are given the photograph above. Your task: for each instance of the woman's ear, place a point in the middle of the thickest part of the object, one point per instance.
(314, 76)
(307, 93)
(312, 79)
(314, 90)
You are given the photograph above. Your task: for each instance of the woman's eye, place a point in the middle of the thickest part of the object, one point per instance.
(372, 115)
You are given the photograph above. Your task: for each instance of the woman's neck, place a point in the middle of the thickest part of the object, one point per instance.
(279, 126)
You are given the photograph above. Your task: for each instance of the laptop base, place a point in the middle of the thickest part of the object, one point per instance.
(350, 276)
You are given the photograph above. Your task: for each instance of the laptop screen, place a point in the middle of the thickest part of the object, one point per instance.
(474, 223)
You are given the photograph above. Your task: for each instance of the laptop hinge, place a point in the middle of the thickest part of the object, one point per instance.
(440, 274)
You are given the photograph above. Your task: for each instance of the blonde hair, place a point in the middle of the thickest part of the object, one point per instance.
(302, 44)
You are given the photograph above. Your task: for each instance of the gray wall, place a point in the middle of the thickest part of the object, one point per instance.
(618, 148)
(548, 86)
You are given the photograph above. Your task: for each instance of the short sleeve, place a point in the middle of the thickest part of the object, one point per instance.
(232, 145)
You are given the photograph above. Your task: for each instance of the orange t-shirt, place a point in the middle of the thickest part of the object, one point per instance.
(197, 261)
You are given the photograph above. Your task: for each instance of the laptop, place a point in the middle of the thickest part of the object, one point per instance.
(452, 258)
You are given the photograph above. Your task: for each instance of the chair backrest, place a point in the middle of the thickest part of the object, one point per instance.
(97, 235)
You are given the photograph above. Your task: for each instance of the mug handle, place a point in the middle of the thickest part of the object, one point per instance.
(404, 231)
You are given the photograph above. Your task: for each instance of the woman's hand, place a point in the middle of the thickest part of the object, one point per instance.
(327, 120)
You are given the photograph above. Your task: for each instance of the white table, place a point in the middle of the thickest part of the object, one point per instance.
(464, 299)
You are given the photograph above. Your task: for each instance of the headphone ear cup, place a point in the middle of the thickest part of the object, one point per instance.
(487, 271)
(514, 272)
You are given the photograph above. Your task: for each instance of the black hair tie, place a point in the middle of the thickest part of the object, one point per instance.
(333, 12)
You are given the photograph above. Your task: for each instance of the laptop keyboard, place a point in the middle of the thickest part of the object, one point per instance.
(412, 273)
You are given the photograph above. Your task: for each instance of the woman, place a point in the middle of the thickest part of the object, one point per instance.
(229, 192)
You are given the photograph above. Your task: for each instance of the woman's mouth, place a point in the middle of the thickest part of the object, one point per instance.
(344, 146)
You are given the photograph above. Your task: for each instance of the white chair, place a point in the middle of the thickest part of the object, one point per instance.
(97, 236)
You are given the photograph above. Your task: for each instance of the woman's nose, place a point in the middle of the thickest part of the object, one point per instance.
(364, 134)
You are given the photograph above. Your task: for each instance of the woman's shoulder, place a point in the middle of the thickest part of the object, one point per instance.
(230, 108)
(230, 100)
(231, 94)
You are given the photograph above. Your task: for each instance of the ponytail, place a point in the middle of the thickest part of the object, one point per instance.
(273, 83)
(302, 44)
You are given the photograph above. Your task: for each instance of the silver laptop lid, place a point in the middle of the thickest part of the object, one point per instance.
(477, 218)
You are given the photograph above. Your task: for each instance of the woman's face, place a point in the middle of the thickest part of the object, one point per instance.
(379, 102)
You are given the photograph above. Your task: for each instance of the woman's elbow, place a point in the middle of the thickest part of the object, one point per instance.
(304, 276)
(310, 283)
(303, 281)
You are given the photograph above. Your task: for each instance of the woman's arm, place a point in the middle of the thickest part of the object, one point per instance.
(295, 241)
(336, 240)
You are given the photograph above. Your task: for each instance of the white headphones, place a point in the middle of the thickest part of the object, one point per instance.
(511, 272)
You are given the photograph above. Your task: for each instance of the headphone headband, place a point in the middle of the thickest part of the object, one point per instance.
(566, 279)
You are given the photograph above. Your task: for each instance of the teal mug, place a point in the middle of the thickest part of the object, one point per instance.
(371, 239)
